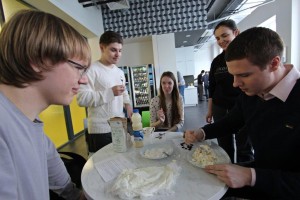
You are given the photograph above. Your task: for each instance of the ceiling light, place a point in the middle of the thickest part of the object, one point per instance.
(185, 41)
(188, 36)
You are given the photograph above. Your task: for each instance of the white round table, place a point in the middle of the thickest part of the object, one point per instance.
(192, 183)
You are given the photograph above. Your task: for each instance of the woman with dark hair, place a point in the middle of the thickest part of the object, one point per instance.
(222, 94)
(166, 109)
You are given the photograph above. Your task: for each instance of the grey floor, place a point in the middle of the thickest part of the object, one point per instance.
(194, 117)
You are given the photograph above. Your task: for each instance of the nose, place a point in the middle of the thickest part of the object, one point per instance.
(83, 80)
(236, 82)
(118, 54)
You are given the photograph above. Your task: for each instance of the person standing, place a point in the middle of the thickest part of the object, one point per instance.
(167, 109)
(269, 112)
(105, 95)
(181, 84)
(222, 95)
(43, 60)
(205, 80)
(200, 86)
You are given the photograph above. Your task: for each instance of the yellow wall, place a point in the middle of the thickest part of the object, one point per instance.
(55, 125)
(77, 114)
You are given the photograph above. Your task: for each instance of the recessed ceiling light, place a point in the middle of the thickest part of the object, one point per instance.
(188, 36)
(185, 41)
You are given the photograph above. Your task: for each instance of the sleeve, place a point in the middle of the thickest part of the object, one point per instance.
(59, 179)
(126, 98)
(230, 123)
(211, 79)
(90, 96)
(8, 181)
(278, 184)
(154, 107)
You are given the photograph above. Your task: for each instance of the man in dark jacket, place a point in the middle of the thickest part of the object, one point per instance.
(268, 110)
(200, 85)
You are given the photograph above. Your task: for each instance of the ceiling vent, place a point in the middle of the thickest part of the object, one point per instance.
(123, 4)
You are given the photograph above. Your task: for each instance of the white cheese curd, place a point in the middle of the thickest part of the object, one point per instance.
(155, 153)
(204, 155)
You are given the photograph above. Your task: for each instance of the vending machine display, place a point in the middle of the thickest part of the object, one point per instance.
(141, 84)
(141, 89)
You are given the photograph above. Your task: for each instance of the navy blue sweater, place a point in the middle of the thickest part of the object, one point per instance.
(274, 129)
(220, 88)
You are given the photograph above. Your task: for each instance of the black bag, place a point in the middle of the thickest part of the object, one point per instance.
(74, 164)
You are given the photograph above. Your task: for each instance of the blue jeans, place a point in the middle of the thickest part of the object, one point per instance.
(181, 90)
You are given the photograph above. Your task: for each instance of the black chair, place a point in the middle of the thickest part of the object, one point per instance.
(74, 164)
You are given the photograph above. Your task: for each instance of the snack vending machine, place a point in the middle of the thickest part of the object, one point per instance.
(141, 84)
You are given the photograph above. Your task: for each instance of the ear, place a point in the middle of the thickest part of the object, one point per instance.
(236, 32)
(275, 63)
(102, 47)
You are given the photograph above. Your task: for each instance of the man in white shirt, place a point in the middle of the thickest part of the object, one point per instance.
(105, 95)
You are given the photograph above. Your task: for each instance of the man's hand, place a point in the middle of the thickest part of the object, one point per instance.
(118, 90)
(233, 176)
(128, 110)
(193, 136)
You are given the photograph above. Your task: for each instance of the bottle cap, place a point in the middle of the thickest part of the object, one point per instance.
(135, 110)
(138, 134)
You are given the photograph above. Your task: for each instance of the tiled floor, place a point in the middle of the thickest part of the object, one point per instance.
(194, 117)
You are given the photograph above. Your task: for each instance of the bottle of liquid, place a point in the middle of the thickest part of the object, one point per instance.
(137, 128)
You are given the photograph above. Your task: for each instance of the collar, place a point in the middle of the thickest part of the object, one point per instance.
(284, 86)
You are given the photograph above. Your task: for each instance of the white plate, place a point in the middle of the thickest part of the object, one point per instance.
(222, 156)
(155, 151)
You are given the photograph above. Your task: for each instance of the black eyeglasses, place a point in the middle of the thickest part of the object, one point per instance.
(82, 69)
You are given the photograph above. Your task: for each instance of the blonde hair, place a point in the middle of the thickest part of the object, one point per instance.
(39, 38)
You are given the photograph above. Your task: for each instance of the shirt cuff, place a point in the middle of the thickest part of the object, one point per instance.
(253, 177)
(198, 132)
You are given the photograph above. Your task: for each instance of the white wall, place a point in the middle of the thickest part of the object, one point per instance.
(164, 55)
(203, 59)
(94, 44)
(137, 54)
(185, 60)
(295, 46)
(88, 21)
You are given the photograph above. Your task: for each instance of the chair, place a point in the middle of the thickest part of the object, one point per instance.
(146, 118)
(74, 164)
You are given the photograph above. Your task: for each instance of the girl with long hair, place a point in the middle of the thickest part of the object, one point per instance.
(166, 109)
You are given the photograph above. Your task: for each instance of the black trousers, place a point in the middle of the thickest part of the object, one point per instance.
(244, 150)
(97, 141)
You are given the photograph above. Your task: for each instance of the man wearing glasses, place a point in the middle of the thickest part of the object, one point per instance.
(42, 62)
(105, 95)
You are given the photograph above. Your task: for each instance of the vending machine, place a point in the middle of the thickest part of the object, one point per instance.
(141, 84)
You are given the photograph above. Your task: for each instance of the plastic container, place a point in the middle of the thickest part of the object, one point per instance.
(137, 128)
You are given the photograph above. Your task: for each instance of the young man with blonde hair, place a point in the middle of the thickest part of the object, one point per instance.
(43, 61)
